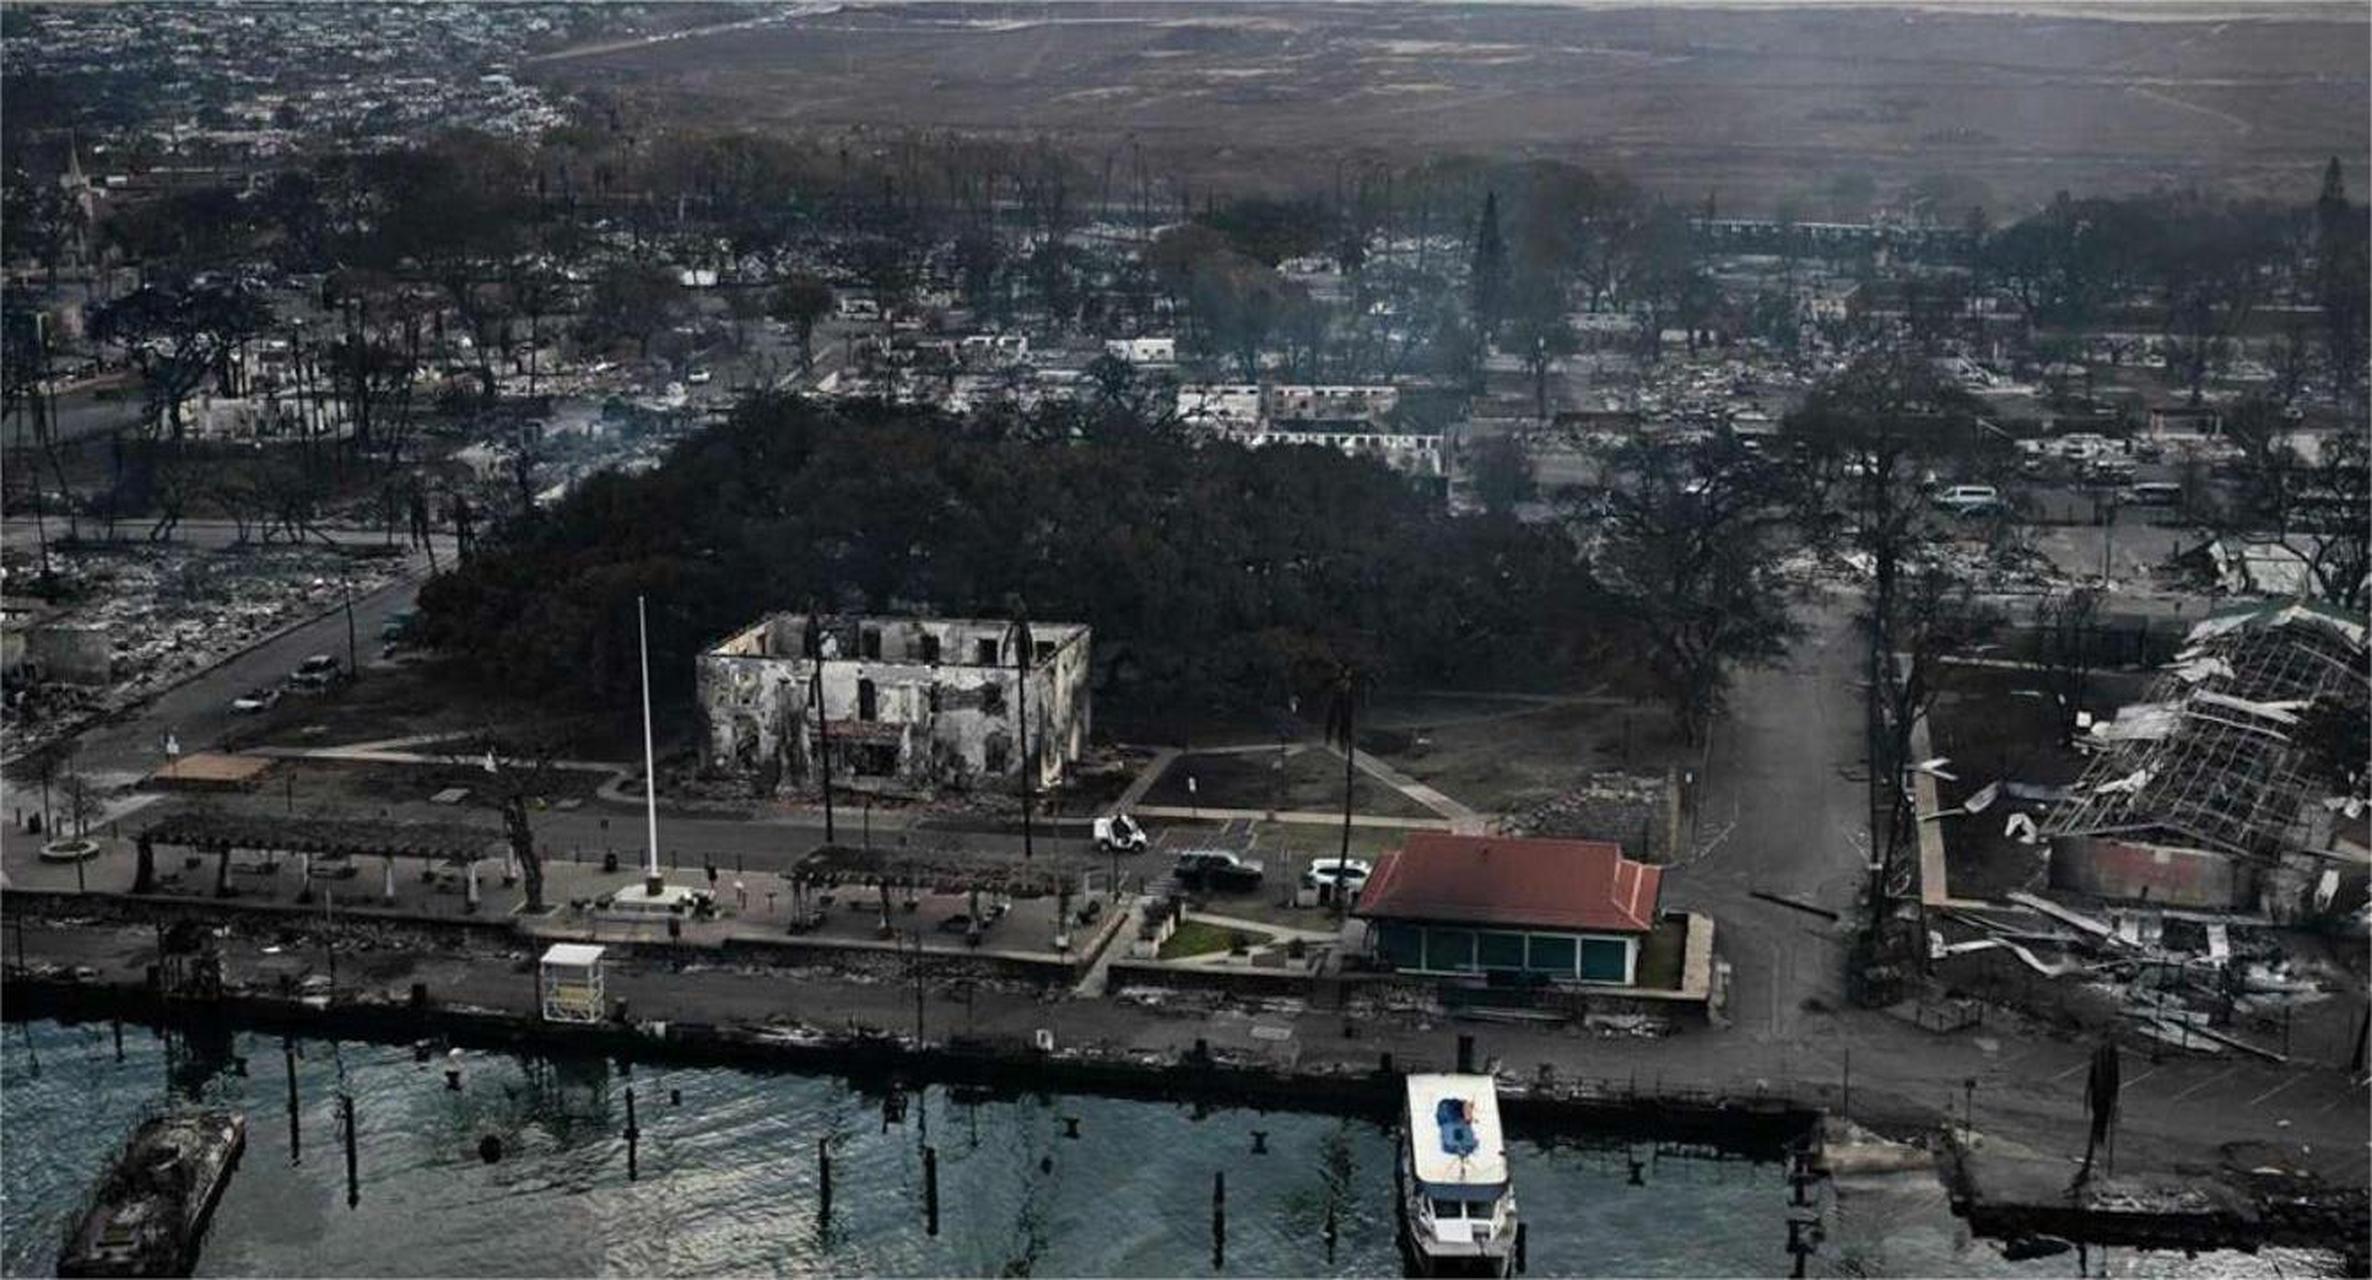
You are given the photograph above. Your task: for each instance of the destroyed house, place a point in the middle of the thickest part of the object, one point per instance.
(2202, 796)
(909, 705)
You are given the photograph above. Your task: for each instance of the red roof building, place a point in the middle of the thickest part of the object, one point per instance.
(1571, 909)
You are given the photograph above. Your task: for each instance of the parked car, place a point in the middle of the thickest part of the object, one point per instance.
(2155, 493)
(1968, 500)
(1327, 873)
(2109, 471)
(319, 671)
(1220, 869)
(1119, 834)
(255, 702)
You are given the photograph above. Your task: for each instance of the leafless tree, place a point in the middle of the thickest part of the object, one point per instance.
(2066, 629)
(519, 771)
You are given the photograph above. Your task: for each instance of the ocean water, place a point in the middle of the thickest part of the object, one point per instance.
(728, 1178)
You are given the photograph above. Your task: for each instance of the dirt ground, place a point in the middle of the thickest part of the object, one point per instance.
(1500, 756)
(1311, 779)
(410, 696)
(1817, 114)
(349, 787)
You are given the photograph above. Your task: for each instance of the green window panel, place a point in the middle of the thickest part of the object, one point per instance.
(1552, 954)
(1500, 950)
(1401, 944)
(1604, 960)
(1449, 950)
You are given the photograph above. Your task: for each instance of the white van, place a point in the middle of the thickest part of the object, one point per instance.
(1969, 500)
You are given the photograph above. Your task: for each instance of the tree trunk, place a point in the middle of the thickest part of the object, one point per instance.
(531, 867)
(144, 868)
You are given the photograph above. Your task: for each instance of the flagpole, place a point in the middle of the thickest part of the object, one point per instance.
(650, 771)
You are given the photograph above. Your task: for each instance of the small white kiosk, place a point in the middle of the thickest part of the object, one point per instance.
(570, 982)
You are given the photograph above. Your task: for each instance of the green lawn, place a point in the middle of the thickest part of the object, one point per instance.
(1197, 938)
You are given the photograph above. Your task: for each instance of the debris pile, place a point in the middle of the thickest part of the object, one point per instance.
(1608, 804)
(2191, 981)
(168, 611)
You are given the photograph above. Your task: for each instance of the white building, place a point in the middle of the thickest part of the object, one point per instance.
(909, 704)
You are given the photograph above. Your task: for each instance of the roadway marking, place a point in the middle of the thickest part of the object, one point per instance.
(2275, 1089)
(2203, 1084)
(2137, 1079)
(2069, 1072)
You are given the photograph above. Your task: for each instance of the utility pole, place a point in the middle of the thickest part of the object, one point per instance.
(823, 738)
(45, 407)
(1021, 705)
(353, 658)
(918, 987)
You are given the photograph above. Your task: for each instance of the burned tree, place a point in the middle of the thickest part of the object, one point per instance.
(1686, 544)
(518, 777)
(2066, 632)
(2311, 500)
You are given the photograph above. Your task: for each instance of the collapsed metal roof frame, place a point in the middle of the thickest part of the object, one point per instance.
(2226, 776)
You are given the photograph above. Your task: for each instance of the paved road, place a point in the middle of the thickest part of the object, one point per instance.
(1780, 811)
(198, 711)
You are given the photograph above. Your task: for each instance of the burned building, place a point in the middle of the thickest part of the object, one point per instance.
(910, 705)
(2204, 796)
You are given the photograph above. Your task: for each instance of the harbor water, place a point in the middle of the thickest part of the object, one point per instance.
(727, 1177)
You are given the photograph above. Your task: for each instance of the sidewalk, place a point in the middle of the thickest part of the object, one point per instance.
(1878, 1069)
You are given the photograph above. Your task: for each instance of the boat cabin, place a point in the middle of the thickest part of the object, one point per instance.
(1458, 1204)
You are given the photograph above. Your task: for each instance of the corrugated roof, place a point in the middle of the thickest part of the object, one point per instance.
(1507, 880)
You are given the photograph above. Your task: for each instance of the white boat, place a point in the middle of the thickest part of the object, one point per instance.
(1457, 1204)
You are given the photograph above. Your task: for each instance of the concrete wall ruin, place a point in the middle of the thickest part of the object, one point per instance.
(2164, 875)
(913, 705)
(68, 653)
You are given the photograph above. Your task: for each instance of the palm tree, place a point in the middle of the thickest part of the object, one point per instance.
(1342, 713)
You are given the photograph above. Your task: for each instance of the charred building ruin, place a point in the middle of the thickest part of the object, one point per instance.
(911, 705)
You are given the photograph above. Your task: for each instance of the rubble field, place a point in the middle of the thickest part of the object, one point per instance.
(169, 611)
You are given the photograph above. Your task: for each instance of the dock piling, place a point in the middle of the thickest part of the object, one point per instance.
(1260, 1142)
(346, 1122)
(633, 1139)
(1465, 1054)
(930, 1190)
(296, 1137)
(1219, 1220)
(1332, 1231)
(823, 1180)
(1523, 1250)
(119, 1039)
